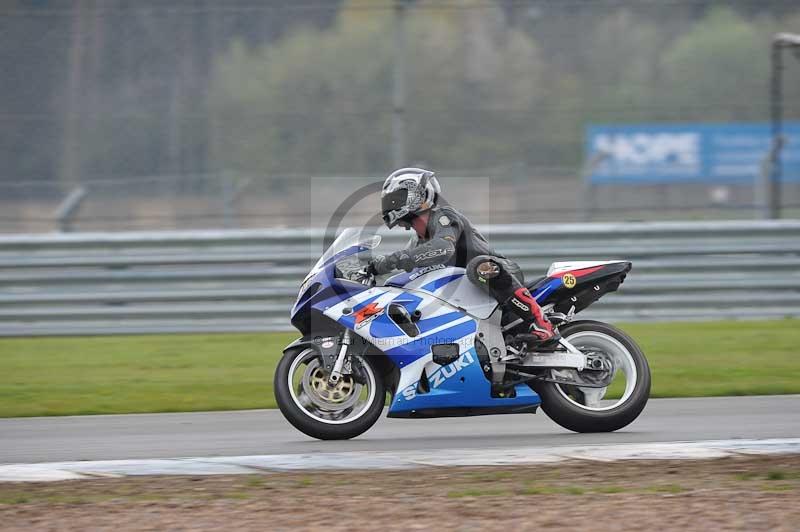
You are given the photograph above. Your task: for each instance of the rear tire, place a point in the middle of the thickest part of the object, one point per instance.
(570, 415)
(303, 418)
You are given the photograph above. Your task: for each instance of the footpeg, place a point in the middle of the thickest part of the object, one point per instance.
(531, 342)
(512, 355)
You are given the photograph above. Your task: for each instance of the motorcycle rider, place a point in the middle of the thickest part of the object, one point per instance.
(411, 198)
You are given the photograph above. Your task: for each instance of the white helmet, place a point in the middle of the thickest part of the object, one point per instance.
(408, 191)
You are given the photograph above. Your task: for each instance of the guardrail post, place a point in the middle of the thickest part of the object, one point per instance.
(69, 208)
(232, 192)
(227, 200)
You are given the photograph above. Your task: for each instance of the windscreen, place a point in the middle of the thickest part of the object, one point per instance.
(350, 237)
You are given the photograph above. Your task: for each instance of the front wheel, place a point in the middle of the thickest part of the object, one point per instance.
(310, 403)
(585, 409)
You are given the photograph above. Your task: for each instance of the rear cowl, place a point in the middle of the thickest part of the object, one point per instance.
(578, 284)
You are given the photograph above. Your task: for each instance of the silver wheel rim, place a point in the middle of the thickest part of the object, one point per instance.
(623, 361)
(333, 405)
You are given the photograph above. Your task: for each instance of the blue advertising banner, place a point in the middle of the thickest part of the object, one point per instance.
(687, 153)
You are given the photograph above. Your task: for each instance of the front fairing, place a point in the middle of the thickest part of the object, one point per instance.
(323, 286)
(321, 282)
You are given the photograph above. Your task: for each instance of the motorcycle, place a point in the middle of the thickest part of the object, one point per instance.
(440, 346)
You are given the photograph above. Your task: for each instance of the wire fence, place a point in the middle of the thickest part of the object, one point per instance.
(231, 200)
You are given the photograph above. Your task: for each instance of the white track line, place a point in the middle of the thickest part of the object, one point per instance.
(237, 465)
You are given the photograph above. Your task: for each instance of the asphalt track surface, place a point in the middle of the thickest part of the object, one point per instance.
(260, 432)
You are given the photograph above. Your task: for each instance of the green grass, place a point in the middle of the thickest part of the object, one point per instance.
(477, 492)
(776, 475)
(170, 373)
(721, 358)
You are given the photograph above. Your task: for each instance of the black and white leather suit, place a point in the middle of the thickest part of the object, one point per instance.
(453, 241)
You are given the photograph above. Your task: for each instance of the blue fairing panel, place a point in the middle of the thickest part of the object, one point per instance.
(546, 288)
(436, 284)
(403, 355)
(461, 384)
(384, 327)
(399, 280)
(331, 291)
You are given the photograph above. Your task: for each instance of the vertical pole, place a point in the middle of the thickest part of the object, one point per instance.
(399, 86)
(176, 98)
(71, 157)
(761, 186)
(773, 192)
(210, 142)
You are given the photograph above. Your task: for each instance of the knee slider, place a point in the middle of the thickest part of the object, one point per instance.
(482, 269)
(487, 270)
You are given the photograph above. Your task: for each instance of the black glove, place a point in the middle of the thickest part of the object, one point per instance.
(378, 265)
(399, 260)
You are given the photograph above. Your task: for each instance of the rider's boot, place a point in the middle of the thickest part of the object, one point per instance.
(540, 336)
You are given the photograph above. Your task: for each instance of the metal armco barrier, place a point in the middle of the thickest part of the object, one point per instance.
(204, 281)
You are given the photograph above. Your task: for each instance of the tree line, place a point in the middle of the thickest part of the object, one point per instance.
(98, 90)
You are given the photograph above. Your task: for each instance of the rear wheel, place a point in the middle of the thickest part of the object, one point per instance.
(586, 409)
(325, 411)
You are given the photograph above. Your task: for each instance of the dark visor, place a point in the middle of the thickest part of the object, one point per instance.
(394, 200)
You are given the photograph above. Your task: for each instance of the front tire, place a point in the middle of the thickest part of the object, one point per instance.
(568, 405)
(321, 411)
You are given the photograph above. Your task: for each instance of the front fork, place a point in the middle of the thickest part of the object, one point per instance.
(338, 365)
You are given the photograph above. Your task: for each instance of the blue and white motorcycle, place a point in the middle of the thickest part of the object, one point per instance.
(440, 346)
